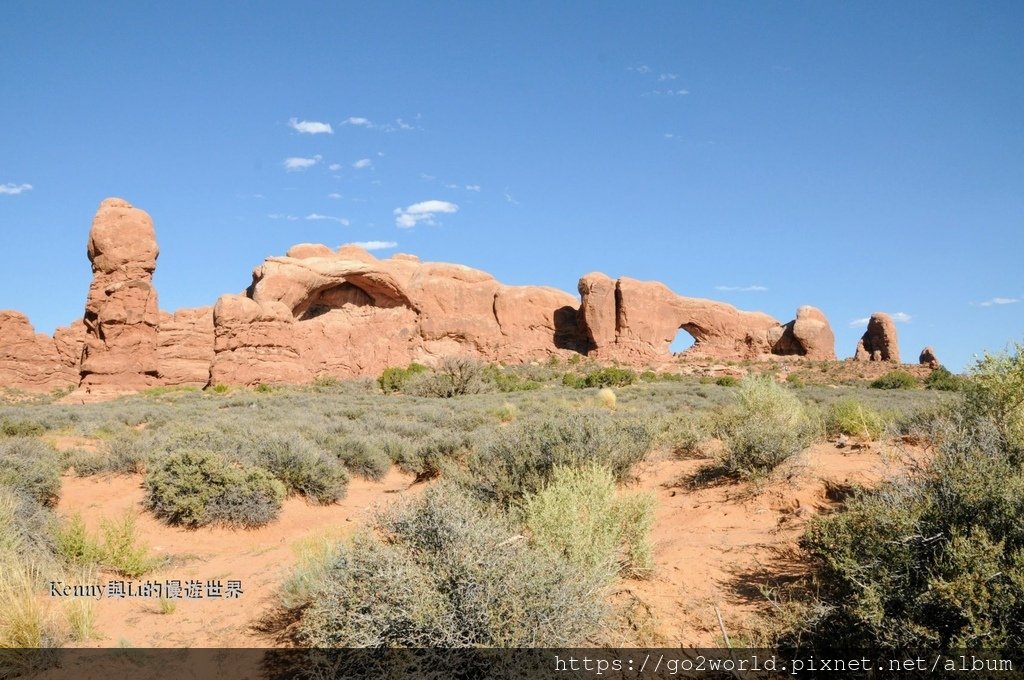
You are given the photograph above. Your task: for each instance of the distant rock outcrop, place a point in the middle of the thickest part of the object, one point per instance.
(345, 313)
(879, 342)
(121, 313)
(30, 360)
(629, 320)
(928, 358)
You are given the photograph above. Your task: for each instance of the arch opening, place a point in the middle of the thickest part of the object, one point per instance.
(346, 295)
(682, 342)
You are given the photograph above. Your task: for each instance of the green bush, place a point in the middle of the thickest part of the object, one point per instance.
(935, 560)
(302, 467)
(432, 454)
(509, 381)
(580, 517)
(194, 488)
(367, 457)
(942, 379)
(519, 459)
(574, 380)
(684, 432)
(610, 376)
(765, 426)
(32, 467)
(21, 428)
(895, 380)
(996, 389)
(393, 379)
(727, 381)
(454, 377)
(441, 572)
(850, 417)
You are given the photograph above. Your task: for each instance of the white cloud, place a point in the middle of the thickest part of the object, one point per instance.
(472, 187)
(451, 186)
(362, 163)
(373, 245)
(642, 68)
(899, 317)
(509, 199)
(334, 194)
(742, 289)
(280, 216)
(334, 167)
(424, 211)
(998, 301)
(291, 164)
(667, 76)
(310, 127)
(359, 121)
(666, 93)
(14, 189)
(316, 216)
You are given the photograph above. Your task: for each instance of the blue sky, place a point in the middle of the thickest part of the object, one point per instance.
(858, 157)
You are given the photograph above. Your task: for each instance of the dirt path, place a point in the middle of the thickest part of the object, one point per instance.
(259, 558)
(716, 547)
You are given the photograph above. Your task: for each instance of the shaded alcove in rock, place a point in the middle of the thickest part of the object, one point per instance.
(349, 294)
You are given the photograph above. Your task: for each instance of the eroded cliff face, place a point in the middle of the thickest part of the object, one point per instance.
(879, 342)
(345, 313)
(633, 321)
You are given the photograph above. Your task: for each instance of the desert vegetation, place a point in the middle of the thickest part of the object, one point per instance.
(525, 518)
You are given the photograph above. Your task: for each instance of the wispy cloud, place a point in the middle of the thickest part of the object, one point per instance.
(373, 245)
(366, 123)
(425, 212)
(14, 189)
(334, 194)
(899, 317)
(310, 127)
(742, 289)
(318, 217)
(509, 198)
(998, 301)
(666, 93)
(295, 163)
(667, 76)
(334, 167)
(282, 216)
(642, 68)
(362, 163)
(472, 187)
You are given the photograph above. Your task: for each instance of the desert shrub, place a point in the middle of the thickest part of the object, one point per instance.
(794, 380)
(302, 467)
(126, 453)
(727, 381)
(610, 376)
(850, 417)
(442, 572)
(84, 463)
(648, 376)
(765, 426)
(942, 379)
(573, 380)
(519, 459)
(684, 432)
(394, 378)
(606, 398)
(32, 467)
(220, 389)
(194, 488)
(121, 550)
(21, 428)
(996, 389)
(367, 457)
(433, 454)
(509, 381)
(24, 526)
(74, 544)
(580, 517)
(934, 560)
(895, 380)
(453, 377)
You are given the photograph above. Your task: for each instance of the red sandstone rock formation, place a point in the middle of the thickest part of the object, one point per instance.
(879, 342)
(319, 312)
(928, 358)
(185, 347)
(121, 313)
(635, 321)
(29, 360)
(346, 313)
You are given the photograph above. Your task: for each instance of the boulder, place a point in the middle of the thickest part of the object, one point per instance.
(928, 358)
(879, 342)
